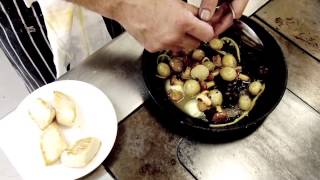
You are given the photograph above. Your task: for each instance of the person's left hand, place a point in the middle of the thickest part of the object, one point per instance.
(222, 18)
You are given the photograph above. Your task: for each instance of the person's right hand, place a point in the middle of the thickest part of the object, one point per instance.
(163, 24)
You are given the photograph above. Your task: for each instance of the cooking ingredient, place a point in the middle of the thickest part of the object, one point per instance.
(229, 61)
(163, 70)
(200, 72)
(191, 87)
(42, 113)
(186, 74)
(244, 77)
(81, 153)
(216, 97)
(208, 63)
(244, 102)
(216, 44)
(66, 113)
(191, 108)
(198, 54)
(52, 144)
(176, 64)
(255, 87)
(228, 73)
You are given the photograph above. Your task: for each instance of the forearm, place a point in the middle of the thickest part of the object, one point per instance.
(106, 8)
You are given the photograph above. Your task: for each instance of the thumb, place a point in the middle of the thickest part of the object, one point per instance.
(207, 9)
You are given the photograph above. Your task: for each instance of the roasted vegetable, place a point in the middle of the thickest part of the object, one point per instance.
(191, 87)
(228, 74)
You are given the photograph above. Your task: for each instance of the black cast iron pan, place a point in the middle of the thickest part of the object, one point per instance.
(271, 56)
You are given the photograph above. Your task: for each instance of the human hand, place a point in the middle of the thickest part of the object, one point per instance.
(221, 18)
(163, 24)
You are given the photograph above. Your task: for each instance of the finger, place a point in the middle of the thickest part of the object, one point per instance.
(189, 42)
(194, 10)
(207, 9)
(223, 24)
(222, 10)
(199, 29)
(175, 49)
(238, 7)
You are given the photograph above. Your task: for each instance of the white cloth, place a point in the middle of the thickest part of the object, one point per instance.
(73, 32)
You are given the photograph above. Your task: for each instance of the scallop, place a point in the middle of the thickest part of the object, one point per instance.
(245, 102)
(191, 87)
(255, 87)
(229, 61)
(228, 73)
(163, 70)
(216, 97)
(200, 72)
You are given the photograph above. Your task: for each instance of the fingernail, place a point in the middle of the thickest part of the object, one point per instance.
(205, 15)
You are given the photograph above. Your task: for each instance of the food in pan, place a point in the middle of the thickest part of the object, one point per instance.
(42, 113)
(81, 153)
(65, 109)
(52, 144)
(211, 82)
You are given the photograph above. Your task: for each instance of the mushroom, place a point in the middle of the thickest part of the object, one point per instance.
(217, 60)
(219, 117)
(175, 95)
(176, 64)
(174, 90)
(216, 97)
(175, 81)
(203, 97)
(186, 74)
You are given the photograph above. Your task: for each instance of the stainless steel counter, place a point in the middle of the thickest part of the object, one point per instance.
(115, 69)
(286, 146)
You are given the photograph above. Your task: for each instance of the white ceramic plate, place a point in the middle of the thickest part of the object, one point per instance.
(96, 117)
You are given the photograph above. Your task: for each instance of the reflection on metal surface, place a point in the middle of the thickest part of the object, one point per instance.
(115, 69)
(286, 146)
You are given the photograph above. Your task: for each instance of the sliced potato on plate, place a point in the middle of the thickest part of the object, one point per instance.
(42, 113)
(65, 109)
(52, 144)
(81, 153)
